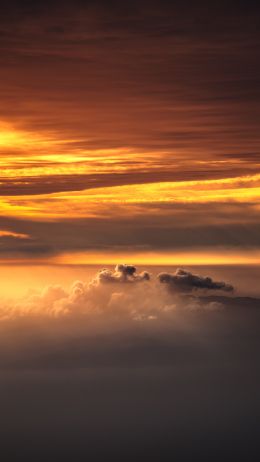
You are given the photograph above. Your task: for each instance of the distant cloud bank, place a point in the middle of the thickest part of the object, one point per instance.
(122, 293)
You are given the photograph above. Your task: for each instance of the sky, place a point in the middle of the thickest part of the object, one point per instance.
(129, 230)
(129, 130)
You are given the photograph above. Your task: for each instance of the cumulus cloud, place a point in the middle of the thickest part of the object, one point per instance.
(185, 281)
(120, 294)
(122, 274)
(117, 323)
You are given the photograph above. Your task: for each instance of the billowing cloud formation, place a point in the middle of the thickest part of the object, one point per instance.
(69, 357)
(123, 273)
(184, 281)
(120, 294)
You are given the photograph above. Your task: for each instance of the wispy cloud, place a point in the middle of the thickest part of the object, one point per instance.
(13, 234)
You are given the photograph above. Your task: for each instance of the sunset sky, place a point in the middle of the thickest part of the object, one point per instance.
(130, 230)
(129, 129)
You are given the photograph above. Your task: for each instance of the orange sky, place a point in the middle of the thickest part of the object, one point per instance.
(136, 134)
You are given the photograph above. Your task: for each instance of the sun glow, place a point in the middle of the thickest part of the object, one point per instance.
(222, 256)
(12, 137)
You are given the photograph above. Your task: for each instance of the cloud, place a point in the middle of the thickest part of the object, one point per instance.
(122, 294)
(119, 323)
(13, 234)
(122, 274)
(184, 281)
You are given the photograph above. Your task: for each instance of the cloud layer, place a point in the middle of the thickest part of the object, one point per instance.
(184, 281)
(122, 294)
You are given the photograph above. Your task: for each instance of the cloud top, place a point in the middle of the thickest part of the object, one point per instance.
(122, 293)
(123, 274)
(185, 281)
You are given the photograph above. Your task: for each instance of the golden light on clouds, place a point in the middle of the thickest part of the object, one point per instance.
(8, 233)
(12, 137)
(47, 176)
(33, 154)
(101, 201)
